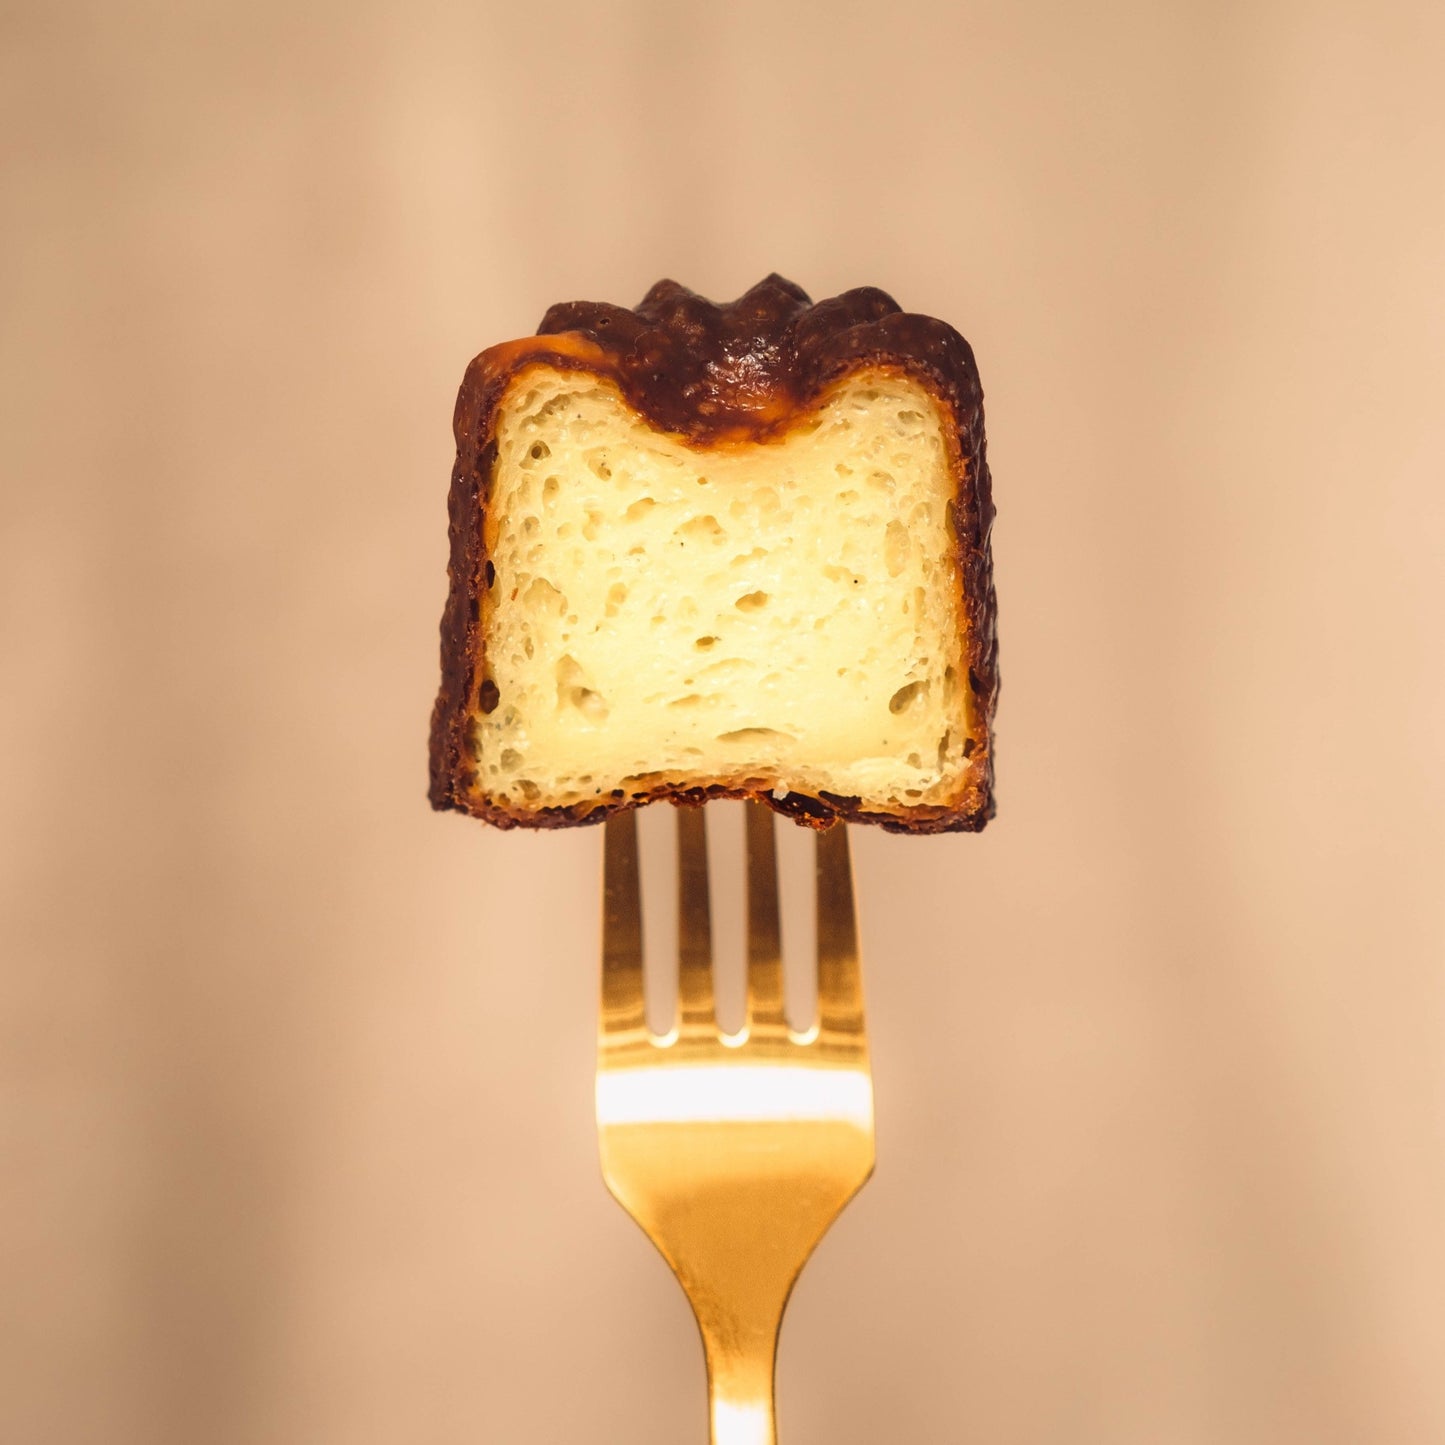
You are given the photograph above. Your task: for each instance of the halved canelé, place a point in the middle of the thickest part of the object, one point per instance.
(709, 551)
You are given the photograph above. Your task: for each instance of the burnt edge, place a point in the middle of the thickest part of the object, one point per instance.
(713, 375)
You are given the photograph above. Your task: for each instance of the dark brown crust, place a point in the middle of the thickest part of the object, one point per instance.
(719, 376)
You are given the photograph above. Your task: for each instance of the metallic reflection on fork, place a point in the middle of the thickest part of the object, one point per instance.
(733, 1152)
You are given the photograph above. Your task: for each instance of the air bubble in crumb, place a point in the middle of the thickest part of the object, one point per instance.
(895, 547)
(701, 529)
(906, 696)
(592, 705)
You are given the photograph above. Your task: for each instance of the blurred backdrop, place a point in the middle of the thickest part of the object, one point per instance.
(296, 1140)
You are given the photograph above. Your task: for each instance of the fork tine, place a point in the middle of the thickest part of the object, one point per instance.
(694, 923)
(624, 1009)
(765, 943)
(840, 982)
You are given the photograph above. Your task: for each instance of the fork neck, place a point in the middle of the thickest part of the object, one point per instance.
(740, 1380)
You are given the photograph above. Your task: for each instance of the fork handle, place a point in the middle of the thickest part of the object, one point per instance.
(741, 1367)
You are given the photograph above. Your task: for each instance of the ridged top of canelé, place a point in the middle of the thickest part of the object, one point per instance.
(710, 371)
(740, 370)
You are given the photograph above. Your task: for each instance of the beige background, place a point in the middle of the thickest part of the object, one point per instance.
(295, 1137)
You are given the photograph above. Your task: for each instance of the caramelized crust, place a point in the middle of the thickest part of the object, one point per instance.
(719, 376)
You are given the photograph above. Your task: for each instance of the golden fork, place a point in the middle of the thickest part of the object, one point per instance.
(733, 1152)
